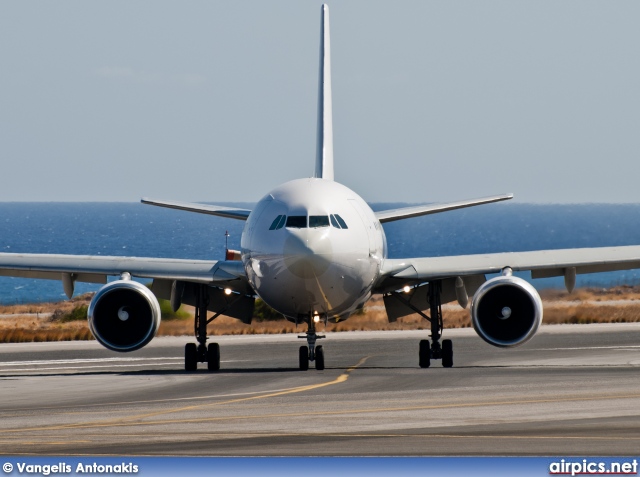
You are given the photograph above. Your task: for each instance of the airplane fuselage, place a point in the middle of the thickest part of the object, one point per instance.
(313, 246)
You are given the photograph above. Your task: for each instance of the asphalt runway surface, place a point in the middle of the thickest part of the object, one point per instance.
(572, 390)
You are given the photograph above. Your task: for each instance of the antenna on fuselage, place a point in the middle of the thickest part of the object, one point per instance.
(230, 254)
(324, 146)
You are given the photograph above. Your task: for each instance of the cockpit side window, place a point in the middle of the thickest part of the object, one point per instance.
(341, 224)
(274, 224)
(318, 221)
(297, 221)
(278, 222)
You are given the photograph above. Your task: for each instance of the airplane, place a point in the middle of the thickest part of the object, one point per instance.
(313, 250)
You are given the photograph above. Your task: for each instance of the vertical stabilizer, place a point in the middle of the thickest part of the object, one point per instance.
(324, 147)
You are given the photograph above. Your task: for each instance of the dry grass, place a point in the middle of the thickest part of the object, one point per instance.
(584, 314)
(45, 308)
(622, 292)
(21, 329)
(582, 306)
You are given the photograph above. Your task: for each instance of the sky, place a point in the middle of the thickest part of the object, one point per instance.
(216, 100)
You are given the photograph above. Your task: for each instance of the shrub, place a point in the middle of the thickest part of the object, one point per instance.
(168, 313)
(79, 313)
(263, 312)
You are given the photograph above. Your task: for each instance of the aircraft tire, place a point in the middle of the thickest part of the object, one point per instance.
(319, 358)
(190, 357)
(425, 354)
(303, 358)
(447, 354)
(213, 356)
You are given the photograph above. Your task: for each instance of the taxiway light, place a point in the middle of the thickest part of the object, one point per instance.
(227, 291)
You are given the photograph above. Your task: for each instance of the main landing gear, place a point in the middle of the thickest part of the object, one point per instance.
(201, 353)
(311, 352)
(435, 350)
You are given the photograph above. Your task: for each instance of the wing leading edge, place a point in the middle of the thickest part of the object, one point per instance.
(96, 269)
(219, 210)
(416, 211)
(541, 263)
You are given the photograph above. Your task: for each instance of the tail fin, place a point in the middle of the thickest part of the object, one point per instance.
(324, 147)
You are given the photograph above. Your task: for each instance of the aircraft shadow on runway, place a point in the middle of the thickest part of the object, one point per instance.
(239, 371)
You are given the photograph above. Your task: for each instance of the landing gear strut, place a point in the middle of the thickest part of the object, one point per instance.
(435, 350)
(201, 353)
(311, 352)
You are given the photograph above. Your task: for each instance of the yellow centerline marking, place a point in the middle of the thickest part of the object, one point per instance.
(29, 411)
(136, 420)
(340, 379)
(132, 420)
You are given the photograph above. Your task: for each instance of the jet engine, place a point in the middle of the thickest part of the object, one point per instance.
(506, 311)
(124, 315)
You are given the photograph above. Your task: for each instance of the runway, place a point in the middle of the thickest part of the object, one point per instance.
(572, 390)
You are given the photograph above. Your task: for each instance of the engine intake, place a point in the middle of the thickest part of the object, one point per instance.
(506, 311)
(124, 315)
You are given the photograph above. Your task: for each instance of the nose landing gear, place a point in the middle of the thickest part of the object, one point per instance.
(311, 352)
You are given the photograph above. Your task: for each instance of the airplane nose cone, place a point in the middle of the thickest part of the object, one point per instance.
(307, 253)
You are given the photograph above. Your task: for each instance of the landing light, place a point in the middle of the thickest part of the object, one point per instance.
(407, 289)
(227, 291)
(316, 319)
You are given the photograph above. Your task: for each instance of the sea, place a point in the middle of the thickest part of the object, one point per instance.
(133, 229)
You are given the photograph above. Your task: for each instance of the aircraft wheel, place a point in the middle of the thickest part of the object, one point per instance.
(303, 358)
(213, 356)
(425, 354)
(319, 358)
(447, 354)
(190, 357)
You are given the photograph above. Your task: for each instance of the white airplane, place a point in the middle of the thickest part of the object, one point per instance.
(313, 250)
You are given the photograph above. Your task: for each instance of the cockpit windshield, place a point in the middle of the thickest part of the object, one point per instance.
(297, 221)
(315, 221)
(318, 221)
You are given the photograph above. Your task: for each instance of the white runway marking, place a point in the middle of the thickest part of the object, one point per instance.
(620, 347)
(87, 360)
(59, 368)
(86, 364)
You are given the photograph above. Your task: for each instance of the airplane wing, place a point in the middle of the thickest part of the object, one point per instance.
(96, 268)
(542, 264)
(219, 210)
(416, 211)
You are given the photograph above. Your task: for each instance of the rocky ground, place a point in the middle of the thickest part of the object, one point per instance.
(66, 320)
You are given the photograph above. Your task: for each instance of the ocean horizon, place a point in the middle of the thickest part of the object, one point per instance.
(134, 229)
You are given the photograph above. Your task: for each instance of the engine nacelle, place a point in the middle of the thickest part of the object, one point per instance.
(506, 311)
(124, 315)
